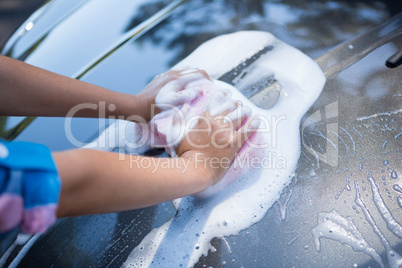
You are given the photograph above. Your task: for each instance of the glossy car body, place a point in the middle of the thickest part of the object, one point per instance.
(357, 118)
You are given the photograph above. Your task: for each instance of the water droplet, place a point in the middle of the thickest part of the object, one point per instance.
(225, 223)
(394, 175)
(399, 199)
(385, 162)
(397, 188)
(351, 47)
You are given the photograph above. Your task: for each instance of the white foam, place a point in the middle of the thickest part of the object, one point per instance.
(184, 239)
(335, 227)
(393, 258)
(242, 112)
(177, 92)
(386, 214)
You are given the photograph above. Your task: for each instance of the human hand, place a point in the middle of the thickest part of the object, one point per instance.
(172, 83)
(217, 136)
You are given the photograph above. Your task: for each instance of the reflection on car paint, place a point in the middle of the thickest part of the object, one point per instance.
(362, 90)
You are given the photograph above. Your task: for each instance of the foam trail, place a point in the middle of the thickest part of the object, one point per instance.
(16, 261)
(308, 158)
(335, 227)
(292, 240)
(328, 141)
(227, 245)
(351, 138)
(186, 237)
(392, 224)
(378, 114)
(317, 158)
(361, 136)
(384, 144)
(344, 143)
(20, 240)
(346, 187)
(322, 150)
(283, 206)
(319, 134)
(394, 259)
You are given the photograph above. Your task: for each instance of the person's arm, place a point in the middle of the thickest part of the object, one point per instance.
(27, 90)
(98, 182)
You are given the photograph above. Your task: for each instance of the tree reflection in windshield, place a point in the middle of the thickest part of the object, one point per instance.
(294, 22)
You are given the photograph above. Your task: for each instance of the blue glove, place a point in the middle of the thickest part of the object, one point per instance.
(29, 187)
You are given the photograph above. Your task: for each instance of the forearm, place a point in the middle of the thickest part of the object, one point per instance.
(30, 91)
(98, 182)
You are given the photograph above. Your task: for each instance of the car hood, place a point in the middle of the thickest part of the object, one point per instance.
(338, 211)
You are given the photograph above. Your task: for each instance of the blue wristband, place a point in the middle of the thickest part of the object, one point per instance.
(29, 187)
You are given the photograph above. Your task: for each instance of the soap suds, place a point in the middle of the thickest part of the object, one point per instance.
(335, 227)
(386, 214)
(283, 205)
(393, 258)
(186, 237)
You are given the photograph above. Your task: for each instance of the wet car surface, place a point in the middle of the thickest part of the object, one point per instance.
(351, 136)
